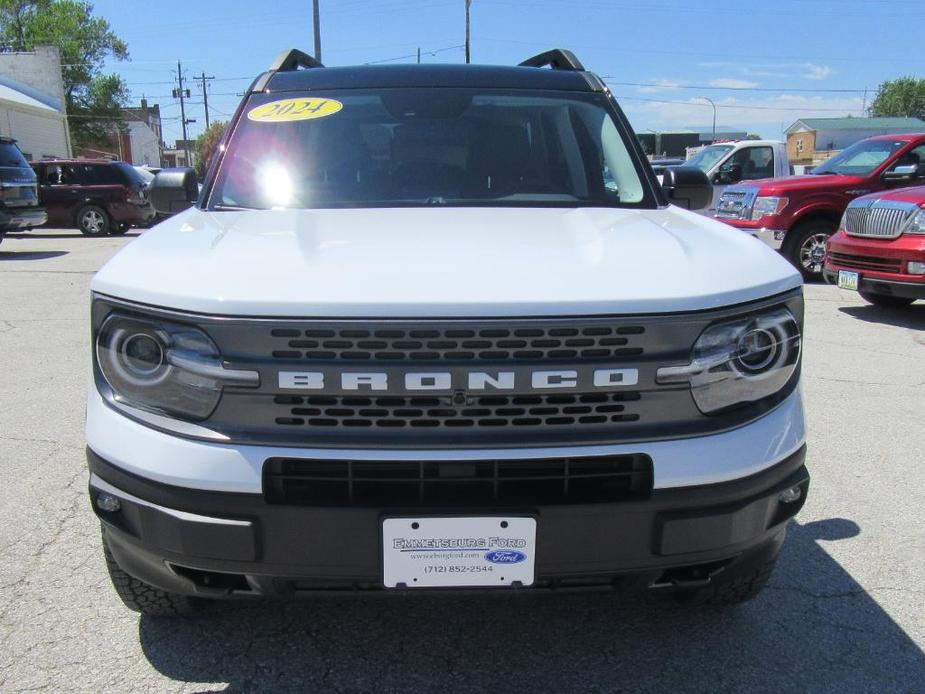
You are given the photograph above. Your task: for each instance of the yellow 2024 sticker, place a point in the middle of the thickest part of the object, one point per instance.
(301, 108)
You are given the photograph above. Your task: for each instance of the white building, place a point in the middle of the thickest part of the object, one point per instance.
(32, 109)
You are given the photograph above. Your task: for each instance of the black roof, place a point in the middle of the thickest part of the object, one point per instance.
(378, 76)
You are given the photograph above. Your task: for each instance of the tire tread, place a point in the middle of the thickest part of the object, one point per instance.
(143, 597)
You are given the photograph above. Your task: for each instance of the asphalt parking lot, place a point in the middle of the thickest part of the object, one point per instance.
(844, 612)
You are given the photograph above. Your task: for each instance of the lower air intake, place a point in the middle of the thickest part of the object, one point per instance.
(402, 484)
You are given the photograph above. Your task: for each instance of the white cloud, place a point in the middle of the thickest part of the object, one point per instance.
(817, 72)
(660, 86)
(809, 71)
(732, 83)
(767, 116)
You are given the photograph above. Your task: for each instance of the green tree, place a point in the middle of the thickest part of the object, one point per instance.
(206, 145)
(94, 99)
(904, 96)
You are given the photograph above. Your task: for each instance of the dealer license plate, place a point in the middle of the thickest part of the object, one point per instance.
(458, 552)
(848, 280)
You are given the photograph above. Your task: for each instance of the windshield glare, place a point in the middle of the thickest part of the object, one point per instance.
(707, 157)
(395, 147)
(860, 159)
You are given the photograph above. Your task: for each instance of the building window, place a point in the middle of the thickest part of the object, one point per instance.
(800, 144)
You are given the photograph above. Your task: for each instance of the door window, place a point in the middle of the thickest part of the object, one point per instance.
(755, 162)
(913, 156)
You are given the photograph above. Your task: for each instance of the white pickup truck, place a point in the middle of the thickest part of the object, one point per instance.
(727, 163)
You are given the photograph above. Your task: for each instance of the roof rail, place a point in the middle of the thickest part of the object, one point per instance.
(293, 59)
(557, 59)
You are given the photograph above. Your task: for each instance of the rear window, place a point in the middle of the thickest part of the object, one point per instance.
(132, 174)
(407, 147)
(11, 156)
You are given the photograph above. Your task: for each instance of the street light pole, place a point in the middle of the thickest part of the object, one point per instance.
(706, 98)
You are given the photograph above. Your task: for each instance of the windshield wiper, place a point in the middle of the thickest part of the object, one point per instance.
(221, 207)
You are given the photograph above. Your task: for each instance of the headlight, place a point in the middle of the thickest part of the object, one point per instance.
(740, 361)
(768, 205)
(916, 225)
(164, 367)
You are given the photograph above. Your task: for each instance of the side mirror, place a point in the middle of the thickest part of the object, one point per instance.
(730, 173)
(173, 190)
(902, 174)
(687, 186)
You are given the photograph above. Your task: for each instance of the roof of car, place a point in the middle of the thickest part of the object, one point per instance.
(76, 161)
(383, 76)
(906, 137)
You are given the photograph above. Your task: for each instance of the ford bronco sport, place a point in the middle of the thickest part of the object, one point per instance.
(438, 327)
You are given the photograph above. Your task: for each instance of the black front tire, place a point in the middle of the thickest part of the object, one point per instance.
(805, 247)
(93, 220)
(143, 597)
(886, 301)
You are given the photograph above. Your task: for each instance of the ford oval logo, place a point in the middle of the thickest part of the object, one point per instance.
(505, 556)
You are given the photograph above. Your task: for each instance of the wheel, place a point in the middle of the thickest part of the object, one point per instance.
(806, 248)
(143, 597)
(886, 300)
(119, 229)
(93, 221)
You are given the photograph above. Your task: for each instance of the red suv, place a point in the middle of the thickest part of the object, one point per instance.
(797, 214)
(97, 197)
(879, 249)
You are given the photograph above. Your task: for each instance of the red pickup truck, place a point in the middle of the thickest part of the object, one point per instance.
(879, 249)
(798, 214)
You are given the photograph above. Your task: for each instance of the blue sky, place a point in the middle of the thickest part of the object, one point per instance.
(764, 64)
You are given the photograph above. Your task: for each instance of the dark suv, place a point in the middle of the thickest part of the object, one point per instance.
(97, 197)
(19, 202)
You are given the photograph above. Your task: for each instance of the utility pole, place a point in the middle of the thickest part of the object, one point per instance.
(316, 24)
(205, 95)
(419, 55)
(468, 5)
(181, 94)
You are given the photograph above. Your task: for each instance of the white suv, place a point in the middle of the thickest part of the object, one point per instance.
(434, 327)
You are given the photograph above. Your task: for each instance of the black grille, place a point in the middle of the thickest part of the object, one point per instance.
(479, 411)
(865, 262)
(457, 344)
(401, 484)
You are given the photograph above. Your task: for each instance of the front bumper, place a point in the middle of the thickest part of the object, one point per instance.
(864, 255)
(200, 542)
(880, 285)
(771, 236)
(13, 218)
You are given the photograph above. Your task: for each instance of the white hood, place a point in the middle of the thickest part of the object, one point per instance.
(443, 262)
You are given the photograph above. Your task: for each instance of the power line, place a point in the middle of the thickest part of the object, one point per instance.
(414, 55)
(698, 87)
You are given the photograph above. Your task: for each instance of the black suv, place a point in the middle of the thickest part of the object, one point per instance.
(19, 200)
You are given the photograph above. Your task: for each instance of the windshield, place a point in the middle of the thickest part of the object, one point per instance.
(860, 159)
(396, 147)
(708, 156)
(11, 156)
